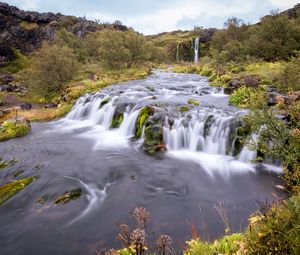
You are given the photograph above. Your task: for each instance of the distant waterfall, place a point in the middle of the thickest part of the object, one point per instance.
(196, 50)
(177, 52)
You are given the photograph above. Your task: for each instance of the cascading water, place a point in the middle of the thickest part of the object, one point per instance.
(209, 128)
(196, 50)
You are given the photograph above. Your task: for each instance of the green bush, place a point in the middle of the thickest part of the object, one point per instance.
(117, 49)
(276, 230)
(242, 97)
(290, 76)
(51, 67)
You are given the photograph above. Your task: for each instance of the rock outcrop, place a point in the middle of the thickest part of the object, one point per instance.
(26, 30)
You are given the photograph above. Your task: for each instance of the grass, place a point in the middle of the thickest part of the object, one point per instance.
(18, 64)
(28, 25)
(43, 114)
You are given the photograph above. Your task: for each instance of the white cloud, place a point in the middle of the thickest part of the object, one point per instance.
(284, 3)
(26, 4)
(168, 18)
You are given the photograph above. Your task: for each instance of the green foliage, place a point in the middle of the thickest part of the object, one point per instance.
(197, 247)
(247, 97)
(280, 139)
(290, 76)
(18, 64)
(9, 190)
(9, 130)
(117, 49)
(50, 68)
(276, 37)
(228, 244)
(276, 230)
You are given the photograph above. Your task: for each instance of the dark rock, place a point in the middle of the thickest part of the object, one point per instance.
(51, 105)
(251, 81)
(6, 52)
(229, 90)
(272, 99)
(6, 78)
(26, 106)
(27, 30)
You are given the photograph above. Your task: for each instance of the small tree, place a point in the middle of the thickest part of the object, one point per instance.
(50, 68)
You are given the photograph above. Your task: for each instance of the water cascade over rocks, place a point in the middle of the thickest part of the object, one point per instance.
(179, 114)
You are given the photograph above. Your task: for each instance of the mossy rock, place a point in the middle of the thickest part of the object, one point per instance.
(14, 128)
(117, 120)
(9, 190)
(68, 196)
(208, 123)
(238, 146)
(104, 102)
(3, 163)
(142, 117)
(154, 139)
(194, 102)
(184, 109)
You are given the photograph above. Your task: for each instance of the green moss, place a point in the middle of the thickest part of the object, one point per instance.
(194, 102)
(3, 163)
(184, 108)
(117, 120)
(104, 102)
(142, 117)
(154, 139)
(28, 25)
(68, 196)
(9, 190)
(10, 130)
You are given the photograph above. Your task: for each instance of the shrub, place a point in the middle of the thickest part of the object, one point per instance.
(50, 68)
(242, 96)
(290, 76)
(276, 229)
(119, 49)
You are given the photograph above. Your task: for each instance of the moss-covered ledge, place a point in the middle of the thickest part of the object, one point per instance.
(12, 128)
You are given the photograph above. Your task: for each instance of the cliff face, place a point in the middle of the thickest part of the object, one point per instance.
(26, 31)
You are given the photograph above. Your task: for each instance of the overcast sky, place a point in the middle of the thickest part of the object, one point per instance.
(155, 16)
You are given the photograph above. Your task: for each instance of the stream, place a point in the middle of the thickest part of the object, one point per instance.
(203, 168)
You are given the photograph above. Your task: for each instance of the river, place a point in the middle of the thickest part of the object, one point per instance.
(181, 187)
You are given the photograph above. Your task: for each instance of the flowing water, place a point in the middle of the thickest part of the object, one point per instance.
(181, 187)
(196, 50)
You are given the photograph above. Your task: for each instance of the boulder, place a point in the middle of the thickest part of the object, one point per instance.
(26, 106)
(50, 105)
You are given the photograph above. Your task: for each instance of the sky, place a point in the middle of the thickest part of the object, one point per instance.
(156, 16)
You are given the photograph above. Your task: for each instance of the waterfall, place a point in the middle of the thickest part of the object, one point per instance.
(177, 52)
(208, 130)
(196, 50)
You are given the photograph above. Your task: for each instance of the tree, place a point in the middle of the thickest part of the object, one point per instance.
(50, 68)
(276, 38)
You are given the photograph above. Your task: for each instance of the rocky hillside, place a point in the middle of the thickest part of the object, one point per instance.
(25, 31)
